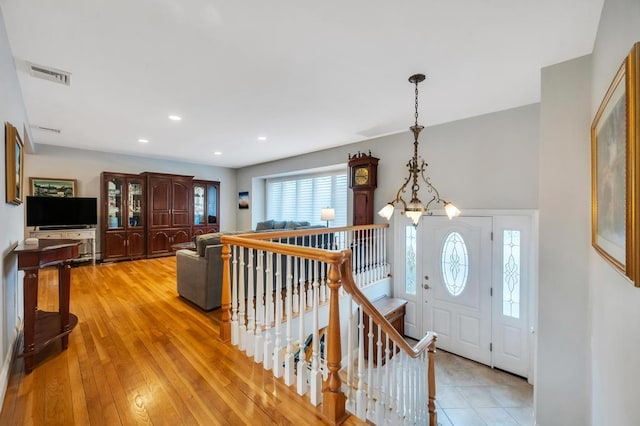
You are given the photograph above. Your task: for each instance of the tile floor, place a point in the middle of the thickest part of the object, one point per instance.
(470, 394)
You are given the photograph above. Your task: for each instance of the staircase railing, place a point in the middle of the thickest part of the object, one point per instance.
(275, 307)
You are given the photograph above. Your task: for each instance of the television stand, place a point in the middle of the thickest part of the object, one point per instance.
(82, 233)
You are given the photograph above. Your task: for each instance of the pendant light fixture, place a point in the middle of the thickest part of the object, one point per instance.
(416, 208)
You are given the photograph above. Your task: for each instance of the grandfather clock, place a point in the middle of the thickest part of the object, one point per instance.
(363, 180)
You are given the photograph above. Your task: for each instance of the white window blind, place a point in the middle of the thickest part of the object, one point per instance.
(303, 197)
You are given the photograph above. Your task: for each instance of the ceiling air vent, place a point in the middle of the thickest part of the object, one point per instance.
(46, 129)
(51, 74)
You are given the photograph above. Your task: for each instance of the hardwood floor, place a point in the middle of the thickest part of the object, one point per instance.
(142, 355)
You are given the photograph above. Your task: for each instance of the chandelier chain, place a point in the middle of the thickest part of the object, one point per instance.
(416, 103)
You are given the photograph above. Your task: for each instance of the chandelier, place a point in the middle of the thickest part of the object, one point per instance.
(415, 208)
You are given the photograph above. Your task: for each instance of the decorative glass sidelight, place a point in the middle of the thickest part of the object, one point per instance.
(455, 263)
(511, 273)
(410, 272)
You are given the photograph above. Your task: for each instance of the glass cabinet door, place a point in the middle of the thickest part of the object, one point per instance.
(212, 204)
(134, 203)
(114, 203)
(198, 204)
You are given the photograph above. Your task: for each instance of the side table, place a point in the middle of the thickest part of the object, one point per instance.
(42, 328)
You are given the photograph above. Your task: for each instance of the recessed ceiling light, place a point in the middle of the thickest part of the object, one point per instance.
(262, 138)
(143, 140)
(175, 117)
(217, 153)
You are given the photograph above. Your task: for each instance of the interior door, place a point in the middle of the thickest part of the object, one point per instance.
(456, 285)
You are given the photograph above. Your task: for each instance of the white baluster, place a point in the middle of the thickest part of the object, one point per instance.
(277, 350)
(251, 306)
(387, 379)
(323, 282)
(242, 329)
(296, 278)
(361, 401)
(379, 416)
(376, 252)
(268, 312)
(392, 378)
(315, 381)
(288, 358)
(259, 342)
(400, 388)
(350, 360)
(310, 279)
(234, 296)
(301, 374)
(370, 360)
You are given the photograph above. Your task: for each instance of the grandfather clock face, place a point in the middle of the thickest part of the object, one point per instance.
(361, 176)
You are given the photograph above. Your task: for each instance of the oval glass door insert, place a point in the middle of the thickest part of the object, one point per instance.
(455, 263)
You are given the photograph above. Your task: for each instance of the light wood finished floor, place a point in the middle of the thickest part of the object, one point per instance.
(142, 355)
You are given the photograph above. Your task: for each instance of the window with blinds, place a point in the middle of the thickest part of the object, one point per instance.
(303, 197)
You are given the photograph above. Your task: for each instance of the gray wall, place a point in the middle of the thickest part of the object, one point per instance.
(561, 381)
(12, 217)
(86, 166)
(614, 302)
(489, 161)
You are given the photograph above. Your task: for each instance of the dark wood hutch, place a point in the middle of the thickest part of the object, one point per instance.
(144, 214)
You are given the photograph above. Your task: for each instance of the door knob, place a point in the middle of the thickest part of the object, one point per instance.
(426, 286)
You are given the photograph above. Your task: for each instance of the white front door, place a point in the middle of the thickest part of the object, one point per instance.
(456, 284)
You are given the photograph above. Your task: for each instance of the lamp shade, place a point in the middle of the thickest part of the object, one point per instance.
(387, 211)
(451, 210)
(328, 213)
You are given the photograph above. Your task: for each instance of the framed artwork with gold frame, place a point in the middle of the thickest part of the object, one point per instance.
(615, 180)
(14, 164)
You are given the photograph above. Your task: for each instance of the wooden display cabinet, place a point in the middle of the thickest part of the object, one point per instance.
(169, 211)
(123, 216)
(206, 207)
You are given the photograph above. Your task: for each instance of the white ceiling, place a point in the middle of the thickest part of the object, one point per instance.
(307, 75)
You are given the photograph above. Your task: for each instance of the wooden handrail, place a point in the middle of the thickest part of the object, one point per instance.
(302, 232)
(328, 256)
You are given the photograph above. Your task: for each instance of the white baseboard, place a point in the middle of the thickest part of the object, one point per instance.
(8, 362)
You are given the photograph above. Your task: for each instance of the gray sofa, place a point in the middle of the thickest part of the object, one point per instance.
(199, 272)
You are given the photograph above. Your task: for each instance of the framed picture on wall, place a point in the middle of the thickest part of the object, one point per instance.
(615, 182)
(53, 187)
(14, 164)
(243, 200)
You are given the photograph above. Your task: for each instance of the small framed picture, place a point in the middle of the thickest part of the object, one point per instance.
(53, 187)
(243, 200)
(14, 164)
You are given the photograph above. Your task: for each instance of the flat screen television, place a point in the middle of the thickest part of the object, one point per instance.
(62, 212)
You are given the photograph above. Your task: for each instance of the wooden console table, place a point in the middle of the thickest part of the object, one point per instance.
(42, 328)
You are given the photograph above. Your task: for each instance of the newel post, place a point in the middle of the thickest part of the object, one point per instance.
(431, 405)
(333, 399)
(225, 325)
